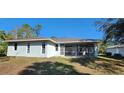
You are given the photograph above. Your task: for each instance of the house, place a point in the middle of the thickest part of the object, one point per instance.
(50, 47)
(116, 49)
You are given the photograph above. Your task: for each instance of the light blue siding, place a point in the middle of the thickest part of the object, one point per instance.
(35, 49)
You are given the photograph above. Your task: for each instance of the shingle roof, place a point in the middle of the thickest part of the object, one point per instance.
(32, 39)
(65, 39)
(56, 40)
(71, 40)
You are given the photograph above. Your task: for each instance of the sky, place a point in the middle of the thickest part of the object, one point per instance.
(83, 28)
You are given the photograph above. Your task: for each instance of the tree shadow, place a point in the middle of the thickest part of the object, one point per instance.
(83, 61)
(115, 62)
(114, 57)
(2, 55)
(50, 68)
(99, 64)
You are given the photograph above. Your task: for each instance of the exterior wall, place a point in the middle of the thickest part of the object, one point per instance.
(35, 49)
(119, 50)
(57, 53)
(10, 50)
(50, 49)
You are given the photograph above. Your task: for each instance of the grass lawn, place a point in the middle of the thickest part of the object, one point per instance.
(63, 66)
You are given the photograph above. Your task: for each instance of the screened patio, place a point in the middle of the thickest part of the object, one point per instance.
(77, 49)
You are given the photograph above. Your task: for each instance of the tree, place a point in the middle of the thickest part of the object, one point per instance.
(113, 29)
(102, 47)
(11, 35)
(26, 31)
(2, 35)
(37, 29)
(53, 37)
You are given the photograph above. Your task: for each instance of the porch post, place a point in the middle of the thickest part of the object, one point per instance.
(59, 49)
(78, 49)
(96, 50)
(62, 49)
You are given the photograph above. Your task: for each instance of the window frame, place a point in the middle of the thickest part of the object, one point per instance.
(28, 48)
(43, 48)
(56, 46)
(15, 46)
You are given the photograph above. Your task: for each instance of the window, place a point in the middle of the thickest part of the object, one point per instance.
(43, 48)
(56, 47)
(28, 48)
(15, 46)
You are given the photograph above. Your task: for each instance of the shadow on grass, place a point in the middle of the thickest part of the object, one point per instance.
(114, 57)
(99, 64)
(117, 62)
(83, 61)
(50, 68)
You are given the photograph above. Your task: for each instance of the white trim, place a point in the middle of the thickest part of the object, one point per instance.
(30, 40)
(115, 46)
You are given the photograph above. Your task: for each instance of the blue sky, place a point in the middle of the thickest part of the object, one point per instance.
(60, 27)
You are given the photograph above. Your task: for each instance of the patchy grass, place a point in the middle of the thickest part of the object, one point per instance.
(60, 66)
(50, 68)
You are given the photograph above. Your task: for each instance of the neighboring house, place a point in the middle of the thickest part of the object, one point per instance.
(47, 47)
(116, 49)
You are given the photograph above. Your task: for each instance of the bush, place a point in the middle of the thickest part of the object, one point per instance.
(117, 55)
(3, 49)
(108, 54)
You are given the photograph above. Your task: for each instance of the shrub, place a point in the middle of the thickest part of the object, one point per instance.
(3, 49)
(117, 55)
(108, 54)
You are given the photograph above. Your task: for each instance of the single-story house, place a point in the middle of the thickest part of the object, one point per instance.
(50, 47)
(116, 49)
